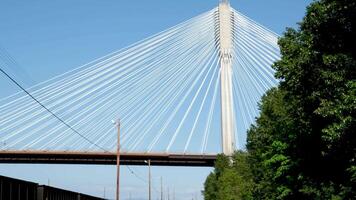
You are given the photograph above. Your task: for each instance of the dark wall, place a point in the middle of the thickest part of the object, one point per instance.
(15, 189)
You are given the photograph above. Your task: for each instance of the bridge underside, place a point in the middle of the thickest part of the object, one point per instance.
(106, 158)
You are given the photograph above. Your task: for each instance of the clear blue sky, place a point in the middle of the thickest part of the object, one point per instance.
(47, 38)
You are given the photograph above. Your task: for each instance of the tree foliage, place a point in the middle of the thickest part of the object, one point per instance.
(303, 144)
(230, 181)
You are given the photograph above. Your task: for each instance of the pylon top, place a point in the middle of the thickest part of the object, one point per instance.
(224, 1)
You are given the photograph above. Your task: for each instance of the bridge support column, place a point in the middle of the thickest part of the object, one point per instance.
(227, 114)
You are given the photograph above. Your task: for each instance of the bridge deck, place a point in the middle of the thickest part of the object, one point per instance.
(107, 158)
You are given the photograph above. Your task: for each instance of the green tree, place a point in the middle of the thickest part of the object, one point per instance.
(231, 179)
(303, 144)
(318, 71)
(270, 145)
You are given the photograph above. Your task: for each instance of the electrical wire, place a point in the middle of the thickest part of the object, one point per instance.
(54, 115)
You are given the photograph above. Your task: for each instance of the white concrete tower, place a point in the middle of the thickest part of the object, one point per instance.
(227, 109)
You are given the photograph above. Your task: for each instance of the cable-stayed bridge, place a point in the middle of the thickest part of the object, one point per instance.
(182, 96)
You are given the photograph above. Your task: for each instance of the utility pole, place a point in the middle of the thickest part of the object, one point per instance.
(118, 161)
(174, 193)
(161, 189)
(168, 193)
(149, 178)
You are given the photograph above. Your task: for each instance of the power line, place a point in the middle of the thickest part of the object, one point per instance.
(14, 66)
(52, 113)
(135, 174)
(140, 178)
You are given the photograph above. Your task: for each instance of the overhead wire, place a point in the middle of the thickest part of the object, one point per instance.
(54, 115)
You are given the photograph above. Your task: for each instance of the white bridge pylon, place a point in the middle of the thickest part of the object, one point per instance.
(227, 110)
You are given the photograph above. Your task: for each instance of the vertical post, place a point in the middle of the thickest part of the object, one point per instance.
(41, 193)
(1, 188)
(174, 193)
(27, 197)
(227, 115)
(10, 190)
(19, 192)
(104, 193)
(161, 188)
(118, 161)
(149, 179)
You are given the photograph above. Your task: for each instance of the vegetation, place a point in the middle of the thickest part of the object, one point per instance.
(230, 180)
(303, 145)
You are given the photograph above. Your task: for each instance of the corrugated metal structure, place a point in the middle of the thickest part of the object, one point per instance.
(11, 188)
(15, 189)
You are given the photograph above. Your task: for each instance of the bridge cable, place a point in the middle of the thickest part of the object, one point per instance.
(52, 113)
